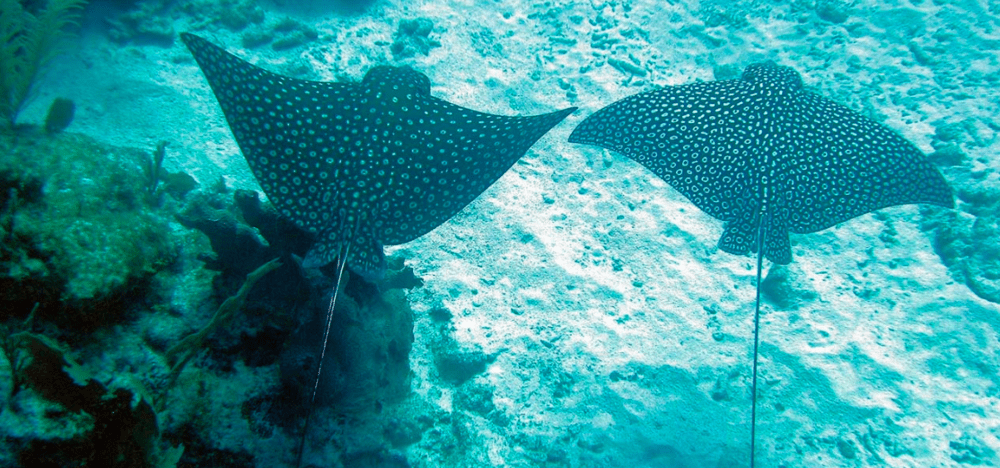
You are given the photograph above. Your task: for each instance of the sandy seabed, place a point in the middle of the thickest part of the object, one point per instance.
(618, 334)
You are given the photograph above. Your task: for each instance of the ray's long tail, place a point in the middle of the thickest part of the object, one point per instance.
(756, 343)
(322, 355)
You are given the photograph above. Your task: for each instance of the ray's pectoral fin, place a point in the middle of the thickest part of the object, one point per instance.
(740, 237)
(777, 247)
(365, 255)
(736, 238)
(367, 258)
(322, 252)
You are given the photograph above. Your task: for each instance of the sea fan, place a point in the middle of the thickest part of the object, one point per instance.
(27, 43)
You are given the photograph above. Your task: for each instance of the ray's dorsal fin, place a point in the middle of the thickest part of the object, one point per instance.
(361, 165)
(767, 157)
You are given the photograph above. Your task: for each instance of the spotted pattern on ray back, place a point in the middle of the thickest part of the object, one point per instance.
(762, 149)
(362, 165)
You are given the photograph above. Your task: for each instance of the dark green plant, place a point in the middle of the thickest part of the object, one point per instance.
(153, 165)
(9, 348)
(28, 43)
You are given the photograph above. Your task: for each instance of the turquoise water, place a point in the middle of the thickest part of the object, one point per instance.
(576, 290)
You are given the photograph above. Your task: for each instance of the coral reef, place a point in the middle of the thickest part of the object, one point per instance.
(79, 238)
(118, 427)
(413, 36)
(287, 33)
(143, 22)
(121, 267)
(152, 21)
(234, 15)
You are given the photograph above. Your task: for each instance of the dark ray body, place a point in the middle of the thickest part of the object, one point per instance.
(767, 157)
(361, 165)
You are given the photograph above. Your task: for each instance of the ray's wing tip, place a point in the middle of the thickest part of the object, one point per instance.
(575, 137)
(584, 131)
(943, 193)
(548, 121)
(559, 115)
(581, 136)
(947, 202)
(780, 259)
(567, 111)
(195, 43)
(189, 38)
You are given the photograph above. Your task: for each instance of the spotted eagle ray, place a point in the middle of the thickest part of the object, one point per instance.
(361, 165)
(767, 157)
